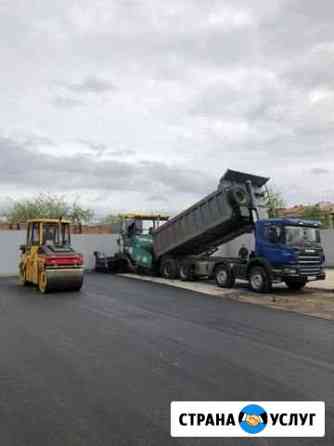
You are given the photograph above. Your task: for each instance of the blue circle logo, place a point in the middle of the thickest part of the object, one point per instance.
(253, 419)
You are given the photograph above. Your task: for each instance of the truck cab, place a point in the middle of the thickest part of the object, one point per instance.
(292, 248)
(286, 250)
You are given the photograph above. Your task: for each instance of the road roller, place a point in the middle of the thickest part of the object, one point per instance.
(48, 260)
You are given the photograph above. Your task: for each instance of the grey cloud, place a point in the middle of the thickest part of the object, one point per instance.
(179, 63)
(97, 147)
(103, 149)
(66, 102)
(180, 179)
(37, 140)
(22, 167)
(313, 67)
(255, 94)
(91, 84)
(158, 198)
(319, 171)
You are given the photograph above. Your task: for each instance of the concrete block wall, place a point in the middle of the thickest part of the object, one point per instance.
(231, 249)
(10, 242)
(327, 241)
(86, 244)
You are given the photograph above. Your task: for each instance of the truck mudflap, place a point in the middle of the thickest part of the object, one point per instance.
(64, 279)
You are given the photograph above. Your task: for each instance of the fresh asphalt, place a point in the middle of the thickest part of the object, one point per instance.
(101, 367)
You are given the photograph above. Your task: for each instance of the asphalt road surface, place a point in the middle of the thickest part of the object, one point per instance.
(101, 367)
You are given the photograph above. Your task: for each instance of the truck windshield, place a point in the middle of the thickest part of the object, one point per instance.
(142, 227)
(301, 235)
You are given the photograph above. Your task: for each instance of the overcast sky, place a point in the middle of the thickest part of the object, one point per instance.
(143, 104)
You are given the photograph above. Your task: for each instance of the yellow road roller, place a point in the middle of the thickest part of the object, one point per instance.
(48, 259)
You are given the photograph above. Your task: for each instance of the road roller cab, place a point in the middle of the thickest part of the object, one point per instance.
(48, 259)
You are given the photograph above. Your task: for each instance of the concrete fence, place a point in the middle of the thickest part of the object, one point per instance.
(327, 240)
(86, 244)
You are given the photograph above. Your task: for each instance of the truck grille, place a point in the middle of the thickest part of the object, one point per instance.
(309, 265)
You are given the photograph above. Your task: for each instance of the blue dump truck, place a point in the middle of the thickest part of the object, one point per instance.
(285, 250)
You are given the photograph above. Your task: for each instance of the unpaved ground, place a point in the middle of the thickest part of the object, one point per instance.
(327, 284)
(312, 301)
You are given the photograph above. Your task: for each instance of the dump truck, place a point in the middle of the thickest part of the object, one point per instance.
(48, 259)
(285, 250)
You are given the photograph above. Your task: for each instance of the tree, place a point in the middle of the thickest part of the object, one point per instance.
(46, 206)
(274, 201)
(111, 219)
(79, 215)
(316, 213)
(312, 213)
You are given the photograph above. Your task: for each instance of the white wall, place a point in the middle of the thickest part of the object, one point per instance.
(86, 244)
(231, 249)
(10, 242)
(327, 241)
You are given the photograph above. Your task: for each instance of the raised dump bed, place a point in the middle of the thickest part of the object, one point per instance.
(219, 217)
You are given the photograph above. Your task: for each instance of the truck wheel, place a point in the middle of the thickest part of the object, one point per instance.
(224, 276)
(295, 284)
(260, 280)
(168, 268)
(186, 272)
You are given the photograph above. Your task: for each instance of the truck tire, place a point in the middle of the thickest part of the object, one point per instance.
(260, 280)
(120, 266)
(186, 272)
(295, 284)
(168, 268)
(224, 276)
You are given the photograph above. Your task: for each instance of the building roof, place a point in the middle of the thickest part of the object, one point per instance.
(295, 211)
